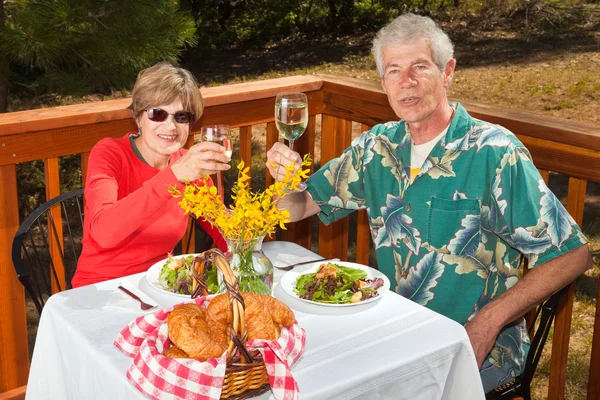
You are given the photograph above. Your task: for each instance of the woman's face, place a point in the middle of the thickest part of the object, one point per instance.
(160, 139)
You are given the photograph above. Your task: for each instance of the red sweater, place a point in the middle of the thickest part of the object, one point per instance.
(131, 220)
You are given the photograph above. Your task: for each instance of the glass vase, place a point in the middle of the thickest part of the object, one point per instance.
(253, 270)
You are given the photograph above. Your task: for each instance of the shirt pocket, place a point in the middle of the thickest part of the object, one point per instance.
(455, 224)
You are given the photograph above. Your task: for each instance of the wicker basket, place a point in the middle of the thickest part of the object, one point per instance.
(245, 374)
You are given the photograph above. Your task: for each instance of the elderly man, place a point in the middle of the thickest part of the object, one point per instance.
(453, 203)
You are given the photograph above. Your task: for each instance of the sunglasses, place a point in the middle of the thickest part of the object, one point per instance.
(159, 115)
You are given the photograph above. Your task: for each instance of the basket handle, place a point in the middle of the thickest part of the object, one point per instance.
(239, 334)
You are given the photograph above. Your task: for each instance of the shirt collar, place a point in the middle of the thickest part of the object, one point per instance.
(458, 129)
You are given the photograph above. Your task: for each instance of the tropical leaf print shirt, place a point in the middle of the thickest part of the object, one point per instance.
(452, 239)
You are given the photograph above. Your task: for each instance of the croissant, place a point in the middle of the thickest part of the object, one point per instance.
(189, 330)
(264, 314)
(205, 333)
(280, 312)
(175, 352)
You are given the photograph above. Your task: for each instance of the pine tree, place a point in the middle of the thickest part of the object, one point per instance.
(91, 45)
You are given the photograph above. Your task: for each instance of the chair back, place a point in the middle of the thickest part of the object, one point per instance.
(47, 246)
(538, 332)
(195, 240)
(538, 328)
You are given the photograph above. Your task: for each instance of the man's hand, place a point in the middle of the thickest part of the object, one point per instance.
(536, 286)
(201, 159)
(482, 337)
(279, 157)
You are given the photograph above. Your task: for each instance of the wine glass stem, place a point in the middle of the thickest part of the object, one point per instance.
(291, 144)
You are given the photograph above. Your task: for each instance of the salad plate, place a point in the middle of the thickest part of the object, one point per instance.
(153, 277)
(288, 282)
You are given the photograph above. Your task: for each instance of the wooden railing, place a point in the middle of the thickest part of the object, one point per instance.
(562, 146)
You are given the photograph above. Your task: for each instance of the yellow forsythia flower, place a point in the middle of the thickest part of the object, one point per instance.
(252, 214)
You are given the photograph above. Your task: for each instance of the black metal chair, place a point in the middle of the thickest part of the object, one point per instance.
(47, 243)
(39, 271)
(538, 332)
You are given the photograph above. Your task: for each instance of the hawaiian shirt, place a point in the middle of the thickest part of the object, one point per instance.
(452, 239)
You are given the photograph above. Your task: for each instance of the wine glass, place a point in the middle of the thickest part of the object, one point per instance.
(291, 118)
(219, 134)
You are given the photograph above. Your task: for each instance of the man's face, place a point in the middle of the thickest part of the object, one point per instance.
(415, 87)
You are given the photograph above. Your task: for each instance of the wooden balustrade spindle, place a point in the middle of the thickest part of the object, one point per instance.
(336, 134)
(300, 232)
(85, 159)
(562, 323)
(246, 147)
(594, 375)
(14, 360)
(545, 175)
(188, 241)
(363, 233)
(272, 136)
(55, 247)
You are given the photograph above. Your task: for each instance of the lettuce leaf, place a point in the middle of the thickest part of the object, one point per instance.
(167, 275)
(328, 290)
(350, 274)
(180, 281)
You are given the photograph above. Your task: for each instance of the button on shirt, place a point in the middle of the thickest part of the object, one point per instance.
(452, 239)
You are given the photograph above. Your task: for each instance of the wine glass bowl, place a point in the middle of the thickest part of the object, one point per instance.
(218, 134)
(291, 115)
(291, 118)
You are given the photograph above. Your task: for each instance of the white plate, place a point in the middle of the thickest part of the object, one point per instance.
(288, 281)
(154, 272)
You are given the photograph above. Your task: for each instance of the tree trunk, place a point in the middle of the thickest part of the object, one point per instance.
(333, 11)
(304, 23)
(347, 15)
(3, 70)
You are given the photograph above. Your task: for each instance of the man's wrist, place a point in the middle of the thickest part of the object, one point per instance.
(493, 313)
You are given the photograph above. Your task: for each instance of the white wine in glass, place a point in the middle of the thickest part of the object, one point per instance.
(291, 118)
(219, 134)
(291, 115)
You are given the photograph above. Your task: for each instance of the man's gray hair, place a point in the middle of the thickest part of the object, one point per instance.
(406, 29)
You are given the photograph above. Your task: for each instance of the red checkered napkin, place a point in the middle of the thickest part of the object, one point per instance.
(160, 377)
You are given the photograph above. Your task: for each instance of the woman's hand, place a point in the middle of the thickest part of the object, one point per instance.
(280, 157)
(201, 159)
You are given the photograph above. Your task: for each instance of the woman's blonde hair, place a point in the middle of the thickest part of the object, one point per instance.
(162, 84)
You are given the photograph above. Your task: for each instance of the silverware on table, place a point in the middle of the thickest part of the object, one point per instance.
(289, 267)
(144, 306)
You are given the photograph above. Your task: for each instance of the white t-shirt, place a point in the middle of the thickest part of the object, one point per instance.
(420, 152)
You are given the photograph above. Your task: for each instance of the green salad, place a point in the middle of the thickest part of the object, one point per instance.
(337, 284)
(176, 275)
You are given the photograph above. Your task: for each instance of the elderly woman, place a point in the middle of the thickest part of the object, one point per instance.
(131, 220)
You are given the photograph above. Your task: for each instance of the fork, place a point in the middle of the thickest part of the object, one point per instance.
(144, 306)
(289, 267)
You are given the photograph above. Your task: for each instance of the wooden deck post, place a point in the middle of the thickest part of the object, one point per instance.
(14, 363)
(562, 323)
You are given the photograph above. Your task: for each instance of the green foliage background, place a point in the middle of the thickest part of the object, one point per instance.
(79, 46)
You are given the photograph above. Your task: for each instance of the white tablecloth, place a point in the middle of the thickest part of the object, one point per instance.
(389, 349)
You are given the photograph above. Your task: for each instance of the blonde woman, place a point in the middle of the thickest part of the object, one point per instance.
(131, 220)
